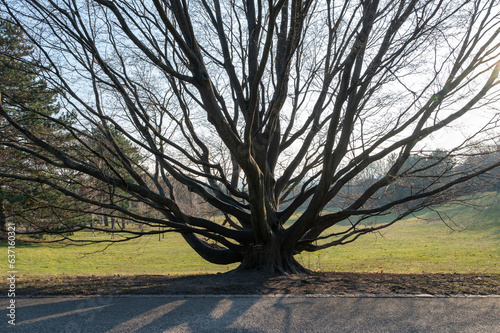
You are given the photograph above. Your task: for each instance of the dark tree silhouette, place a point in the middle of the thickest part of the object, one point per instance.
(260, 109)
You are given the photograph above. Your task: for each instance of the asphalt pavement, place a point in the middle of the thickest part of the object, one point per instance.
(251, 314)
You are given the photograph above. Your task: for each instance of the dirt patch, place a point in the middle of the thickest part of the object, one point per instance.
(260, 283)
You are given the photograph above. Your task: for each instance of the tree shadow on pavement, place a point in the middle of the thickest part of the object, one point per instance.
(279, 313)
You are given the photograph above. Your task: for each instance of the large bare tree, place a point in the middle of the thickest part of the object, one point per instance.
(262, 110)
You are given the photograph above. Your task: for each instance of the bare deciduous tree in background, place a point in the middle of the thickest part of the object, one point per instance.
(260, 109)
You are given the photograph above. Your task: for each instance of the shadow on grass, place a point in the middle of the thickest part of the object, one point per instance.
(258, 283)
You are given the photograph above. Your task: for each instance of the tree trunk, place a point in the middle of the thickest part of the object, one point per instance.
(3, 221)
(92, 225)
(271, 258)
(112, 227)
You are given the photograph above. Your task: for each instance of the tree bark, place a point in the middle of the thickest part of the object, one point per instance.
(272, 258)
(3, 221)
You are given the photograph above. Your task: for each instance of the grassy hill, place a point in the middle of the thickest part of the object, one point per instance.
(458, 238)
(468, 242)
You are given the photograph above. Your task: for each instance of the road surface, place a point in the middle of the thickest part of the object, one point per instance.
(252, 314)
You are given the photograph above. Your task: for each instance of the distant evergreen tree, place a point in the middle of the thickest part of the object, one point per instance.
(27, 98)
(21, 82)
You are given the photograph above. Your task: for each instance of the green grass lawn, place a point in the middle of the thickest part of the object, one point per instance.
(415, 245)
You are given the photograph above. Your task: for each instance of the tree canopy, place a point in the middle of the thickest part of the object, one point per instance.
(266, 111)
